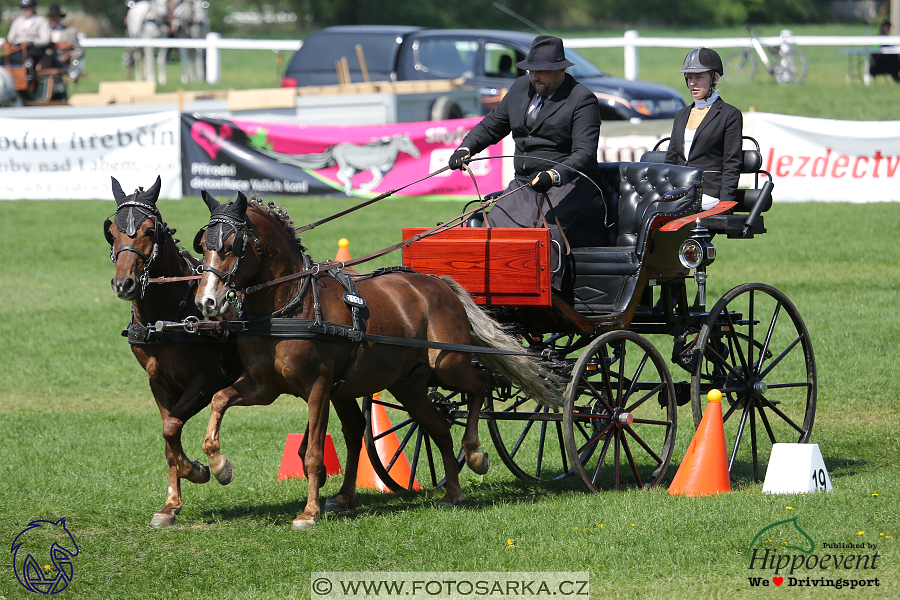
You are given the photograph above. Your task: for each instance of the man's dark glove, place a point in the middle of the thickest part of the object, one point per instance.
(542, 182)
(458, 157)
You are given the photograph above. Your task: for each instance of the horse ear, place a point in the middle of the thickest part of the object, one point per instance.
(240, 204)
(118, 194)
(152, 195)
(211, 202)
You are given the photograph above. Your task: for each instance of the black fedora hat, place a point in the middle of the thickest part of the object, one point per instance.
(546, 54)
(55, 11)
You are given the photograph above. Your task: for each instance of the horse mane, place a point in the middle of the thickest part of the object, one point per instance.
(279, 214)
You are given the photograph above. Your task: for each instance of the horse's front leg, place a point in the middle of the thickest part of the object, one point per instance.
(314, 461)
(244, 391)
(377, 178)
(161, 66)
(186, 66)
(148, 64)
(352, 425)
(180, 466)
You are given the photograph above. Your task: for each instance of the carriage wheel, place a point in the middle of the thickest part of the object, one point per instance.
(755, 349)
(413, 445)
(620, 414)
(528, 437)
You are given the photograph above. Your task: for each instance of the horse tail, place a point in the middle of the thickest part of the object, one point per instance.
(529, 375)
(313, 161)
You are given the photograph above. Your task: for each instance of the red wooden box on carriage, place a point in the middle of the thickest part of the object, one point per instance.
(497, 266)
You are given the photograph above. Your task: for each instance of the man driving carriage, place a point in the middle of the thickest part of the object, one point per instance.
(67, 51)
(555, 123)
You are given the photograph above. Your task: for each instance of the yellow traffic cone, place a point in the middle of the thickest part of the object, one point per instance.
(343, 253)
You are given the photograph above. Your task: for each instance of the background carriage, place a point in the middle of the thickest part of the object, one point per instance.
(618, 424)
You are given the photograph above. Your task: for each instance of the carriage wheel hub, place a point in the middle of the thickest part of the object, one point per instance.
(624, 418)
(758, 388)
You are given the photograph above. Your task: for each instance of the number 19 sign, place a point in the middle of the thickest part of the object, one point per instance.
(796, 469)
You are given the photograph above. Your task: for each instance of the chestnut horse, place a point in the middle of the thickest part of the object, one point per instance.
(246, 244)
(184, 370)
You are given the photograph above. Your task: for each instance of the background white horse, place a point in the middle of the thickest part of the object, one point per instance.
(376, 157)
(148, 19)
(191, 22)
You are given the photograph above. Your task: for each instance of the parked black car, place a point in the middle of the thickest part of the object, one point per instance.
(486, 59)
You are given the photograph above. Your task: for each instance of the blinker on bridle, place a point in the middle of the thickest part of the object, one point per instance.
(218, 230)
(128, 224)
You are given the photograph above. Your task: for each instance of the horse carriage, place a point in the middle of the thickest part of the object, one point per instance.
(45, 82)
(570, 382)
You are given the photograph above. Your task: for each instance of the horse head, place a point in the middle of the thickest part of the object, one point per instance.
(405, 144)
(224, 244)
(134, 233)
(38, 546)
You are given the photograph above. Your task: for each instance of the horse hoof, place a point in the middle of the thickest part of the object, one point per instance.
(162, 520)
(444, 503)
(302, 524)
(200, 473)
(226, 474)
(335, 504)
(481, 467)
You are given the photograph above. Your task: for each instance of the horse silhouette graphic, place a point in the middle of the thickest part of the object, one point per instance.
(42, 556)
(377, 157)
(806, 549)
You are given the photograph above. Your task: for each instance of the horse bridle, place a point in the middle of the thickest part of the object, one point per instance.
(144, 211)
(225, 224)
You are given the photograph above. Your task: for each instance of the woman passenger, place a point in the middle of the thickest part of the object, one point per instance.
(707, 134)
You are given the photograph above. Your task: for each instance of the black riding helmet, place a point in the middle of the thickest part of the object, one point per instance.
(701, 60)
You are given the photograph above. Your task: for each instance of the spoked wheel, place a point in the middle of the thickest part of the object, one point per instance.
(620, 414)
(740, 66)
(755, 349)
(791, 68)
(402, 454)
(528, 437)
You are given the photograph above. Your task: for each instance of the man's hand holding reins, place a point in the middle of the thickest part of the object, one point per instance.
(543, 181)
(459, 158)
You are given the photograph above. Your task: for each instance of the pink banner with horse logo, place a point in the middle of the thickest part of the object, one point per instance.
(270, 158)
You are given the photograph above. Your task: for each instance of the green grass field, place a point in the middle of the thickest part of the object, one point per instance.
(824, 93)
(81, 436)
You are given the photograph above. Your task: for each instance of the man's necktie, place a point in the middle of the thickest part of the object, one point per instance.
(534, 109)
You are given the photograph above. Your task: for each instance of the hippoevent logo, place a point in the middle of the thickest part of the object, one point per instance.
(42, 556)
(784, 554)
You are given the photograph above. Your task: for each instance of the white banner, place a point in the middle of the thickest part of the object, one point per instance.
(828, 161)
(74, 159)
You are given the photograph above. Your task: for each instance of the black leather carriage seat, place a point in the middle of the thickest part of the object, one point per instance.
(605, 277)
(754, 201)
(609, 237)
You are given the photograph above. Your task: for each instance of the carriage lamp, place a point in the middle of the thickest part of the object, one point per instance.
(696, 253)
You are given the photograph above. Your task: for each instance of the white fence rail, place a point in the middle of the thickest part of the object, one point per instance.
(630, 42)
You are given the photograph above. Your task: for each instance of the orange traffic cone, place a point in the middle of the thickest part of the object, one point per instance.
(387, 447)
(292, 466)
(343, 253)
(704, 470)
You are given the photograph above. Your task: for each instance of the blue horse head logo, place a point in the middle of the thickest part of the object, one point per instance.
(42, 556)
